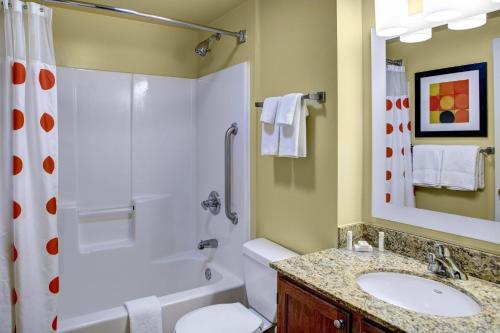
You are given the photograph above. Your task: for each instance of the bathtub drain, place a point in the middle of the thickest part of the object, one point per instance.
(208, 274)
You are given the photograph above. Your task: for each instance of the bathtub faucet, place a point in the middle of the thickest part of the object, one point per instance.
(209, 243)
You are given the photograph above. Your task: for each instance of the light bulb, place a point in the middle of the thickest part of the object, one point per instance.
(390, 17)
(468, 22)
(441, 10)
(417, 36)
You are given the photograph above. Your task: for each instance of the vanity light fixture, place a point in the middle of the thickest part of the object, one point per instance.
(441, 10)
(390, 17)
(468, 22)
(417, 36)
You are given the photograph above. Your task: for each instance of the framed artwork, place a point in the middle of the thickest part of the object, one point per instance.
(451, 102)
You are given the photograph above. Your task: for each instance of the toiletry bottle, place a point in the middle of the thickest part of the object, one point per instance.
(381, 241)
(349, 240)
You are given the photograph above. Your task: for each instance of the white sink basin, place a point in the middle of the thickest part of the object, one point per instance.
(418, 294)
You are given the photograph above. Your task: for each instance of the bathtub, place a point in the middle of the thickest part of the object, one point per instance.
(182, 284)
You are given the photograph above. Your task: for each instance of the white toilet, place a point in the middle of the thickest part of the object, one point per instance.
(260, 285)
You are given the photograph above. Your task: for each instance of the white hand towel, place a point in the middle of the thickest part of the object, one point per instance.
(270, 131)
(293, 139)
(269, 110)
(145, 315)
(461, 168)
(427, 164)
(286, 109)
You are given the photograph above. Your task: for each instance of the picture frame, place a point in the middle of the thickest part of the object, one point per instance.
(452, 102)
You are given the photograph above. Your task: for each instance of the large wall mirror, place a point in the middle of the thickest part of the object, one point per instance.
(435, 126)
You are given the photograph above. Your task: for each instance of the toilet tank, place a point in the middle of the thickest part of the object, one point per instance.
(260, 279)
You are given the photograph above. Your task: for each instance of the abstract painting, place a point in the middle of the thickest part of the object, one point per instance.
(451, 102)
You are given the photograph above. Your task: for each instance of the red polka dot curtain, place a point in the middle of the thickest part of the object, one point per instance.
(29, 278)
(398, 174)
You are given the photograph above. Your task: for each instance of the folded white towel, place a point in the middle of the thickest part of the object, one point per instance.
(269, 110)
(145, 315)
(463, 168)
(427, 164)
(270, 131)
(286, 109)
(293, 139)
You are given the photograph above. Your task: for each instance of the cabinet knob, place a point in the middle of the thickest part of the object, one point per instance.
(338, 323)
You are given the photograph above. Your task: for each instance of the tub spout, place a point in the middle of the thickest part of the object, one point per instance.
(209, 243)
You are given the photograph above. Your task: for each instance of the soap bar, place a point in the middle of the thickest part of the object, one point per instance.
(363, 247)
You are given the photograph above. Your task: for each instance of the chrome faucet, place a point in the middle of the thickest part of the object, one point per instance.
(209, 243)
(442, 264)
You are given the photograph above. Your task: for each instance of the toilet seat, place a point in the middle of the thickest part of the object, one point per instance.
(220, 318)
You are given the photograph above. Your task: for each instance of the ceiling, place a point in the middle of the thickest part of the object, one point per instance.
(197, 11)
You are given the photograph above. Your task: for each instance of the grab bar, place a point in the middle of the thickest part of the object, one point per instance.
(232, 130)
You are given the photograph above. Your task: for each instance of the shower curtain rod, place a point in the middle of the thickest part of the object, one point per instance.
(241, 35)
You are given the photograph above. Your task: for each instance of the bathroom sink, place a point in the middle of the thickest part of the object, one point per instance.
(418, 294)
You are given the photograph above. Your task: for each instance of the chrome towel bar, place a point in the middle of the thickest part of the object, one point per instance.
(319, 96)
(485, 150)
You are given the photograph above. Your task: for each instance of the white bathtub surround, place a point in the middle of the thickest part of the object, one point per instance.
(270, 131)
(157, 149)
(144, 315)
(29, 275)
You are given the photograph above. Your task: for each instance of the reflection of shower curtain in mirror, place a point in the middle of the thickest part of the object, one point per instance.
(29, 280)
(399, 188)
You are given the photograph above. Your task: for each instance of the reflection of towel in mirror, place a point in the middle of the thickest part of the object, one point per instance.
(427, 164)
(463, 168)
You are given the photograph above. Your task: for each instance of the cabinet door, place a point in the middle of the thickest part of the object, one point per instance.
(299, 311)
(367, 327)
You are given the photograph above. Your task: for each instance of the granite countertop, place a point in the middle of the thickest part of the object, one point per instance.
(332, 273)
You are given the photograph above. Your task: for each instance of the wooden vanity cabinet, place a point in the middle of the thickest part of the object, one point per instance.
(302, 311)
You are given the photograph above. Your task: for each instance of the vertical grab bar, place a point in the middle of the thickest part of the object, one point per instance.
(228, 174)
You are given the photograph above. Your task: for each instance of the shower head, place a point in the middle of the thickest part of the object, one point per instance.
(204, 46)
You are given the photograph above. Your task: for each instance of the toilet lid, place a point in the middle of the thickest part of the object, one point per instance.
(219, 318)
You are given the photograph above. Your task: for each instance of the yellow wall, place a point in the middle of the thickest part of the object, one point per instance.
(292, 49)
(296, 199)
(88, 40)
(449, 48)
(350, 110)
(437, 59)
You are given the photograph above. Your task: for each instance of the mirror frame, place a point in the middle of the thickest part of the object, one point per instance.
(470, 227)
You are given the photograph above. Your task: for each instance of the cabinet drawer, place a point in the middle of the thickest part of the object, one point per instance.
(300, 311)
(367, 327)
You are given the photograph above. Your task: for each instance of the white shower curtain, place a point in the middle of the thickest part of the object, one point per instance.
(29, 280)
(398, 175)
